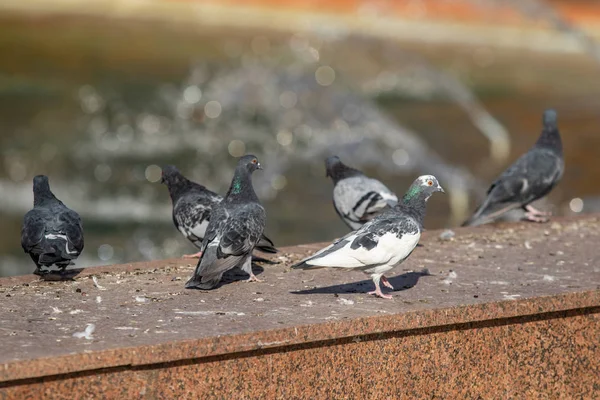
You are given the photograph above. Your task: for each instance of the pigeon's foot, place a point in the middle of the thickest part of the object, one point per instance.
(535, 212)
(386, 283)
(195, 255)
(253, 278)
(535, 218)
(377, 292)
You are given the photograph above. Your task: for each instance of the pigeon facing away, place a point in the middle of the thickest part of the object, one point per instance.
(52, 233)
(531, 177)
(192, 204)
(382, 243)
(356, 197)
(236, 225)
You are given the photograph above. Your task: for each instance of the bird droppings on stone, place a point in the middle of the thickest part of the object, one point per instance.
(96, 284)
(447, 234)
(451, 277)
(87, 333)
(345, 302)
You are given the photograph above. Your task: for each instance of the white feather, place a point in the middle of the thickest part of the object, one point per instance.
(63, 237)
(389, 251)
(200, 229)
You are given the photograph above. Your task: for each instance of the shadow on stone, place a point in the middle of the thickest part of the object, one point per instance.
(400, 282)
(236, 274)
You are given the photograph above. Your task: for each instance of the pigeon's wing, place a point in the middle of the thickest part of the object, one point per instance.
(243, 230)
(531, 177)
(383, 241)
(69, 222)
(359, 199)
(191, 215)
(230, 238)
(32, 232)
(265, 244)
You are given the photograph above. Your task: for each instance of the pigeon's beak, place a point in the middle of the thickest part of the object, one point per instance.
(441, 189)
(258, 166)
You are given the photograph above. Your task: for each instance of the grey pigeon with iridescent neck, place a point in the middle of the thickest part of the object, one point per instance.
(235, 228)
(357, 198)
(52, 233)
(384, 242)
(530, 178)
(192, 204)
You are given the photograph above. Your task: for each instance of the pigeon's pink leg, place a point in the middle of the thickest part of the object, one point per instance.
(196, 255)
(377, 292)
(535, 218)
(253, 278)
(386, 283)
(534, 211)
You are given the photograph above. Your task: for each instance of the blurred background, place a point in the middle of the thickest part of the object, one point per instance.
(98, 95)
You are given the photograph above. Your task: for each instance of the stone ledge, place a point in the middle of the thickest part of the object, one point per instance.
(483, 281)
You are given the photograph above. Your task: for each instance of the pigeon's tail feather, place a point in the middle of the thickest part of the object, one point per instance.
(303, 265)
(478, 217)
(483, 214)
(199, 282)
(266, 245)
(200, 279)
(260, 259)
(52, 258)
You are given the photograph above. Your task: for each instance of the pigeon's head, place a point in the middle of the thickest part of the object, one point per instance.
(337, 170)
(250, 163)
(330, 165)
(41, 190)
(430, 184)
(40, 182)
(549, 118)
(422, 188)
(170, 175)
(550, 137)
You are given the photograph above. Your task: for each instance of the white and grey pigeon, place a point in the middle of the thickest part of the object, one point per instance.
(385, 241)
(235, 228)
(52, 233)
(357, 198)
(531, 177)
(192, 204)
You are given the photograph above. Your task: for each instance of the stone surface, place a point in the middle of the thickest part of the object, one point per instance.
(505, 311)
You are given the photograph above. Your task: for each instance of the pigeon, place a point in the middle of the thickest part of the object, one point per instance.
(385, 241)
(356, 197)
(192, 204)
(235, 228)
(52, 233)
(531, 177)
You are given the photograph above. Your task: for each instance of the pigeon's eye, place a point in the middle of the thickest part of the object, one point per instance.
(429, 183)
(254, 161)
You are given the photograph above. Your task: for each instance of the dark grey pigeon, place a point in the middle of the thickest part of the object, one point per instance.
(192, 204)
(384, 242)
(531, 177)
(236, 225)
(357, 198)
(52, 233)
